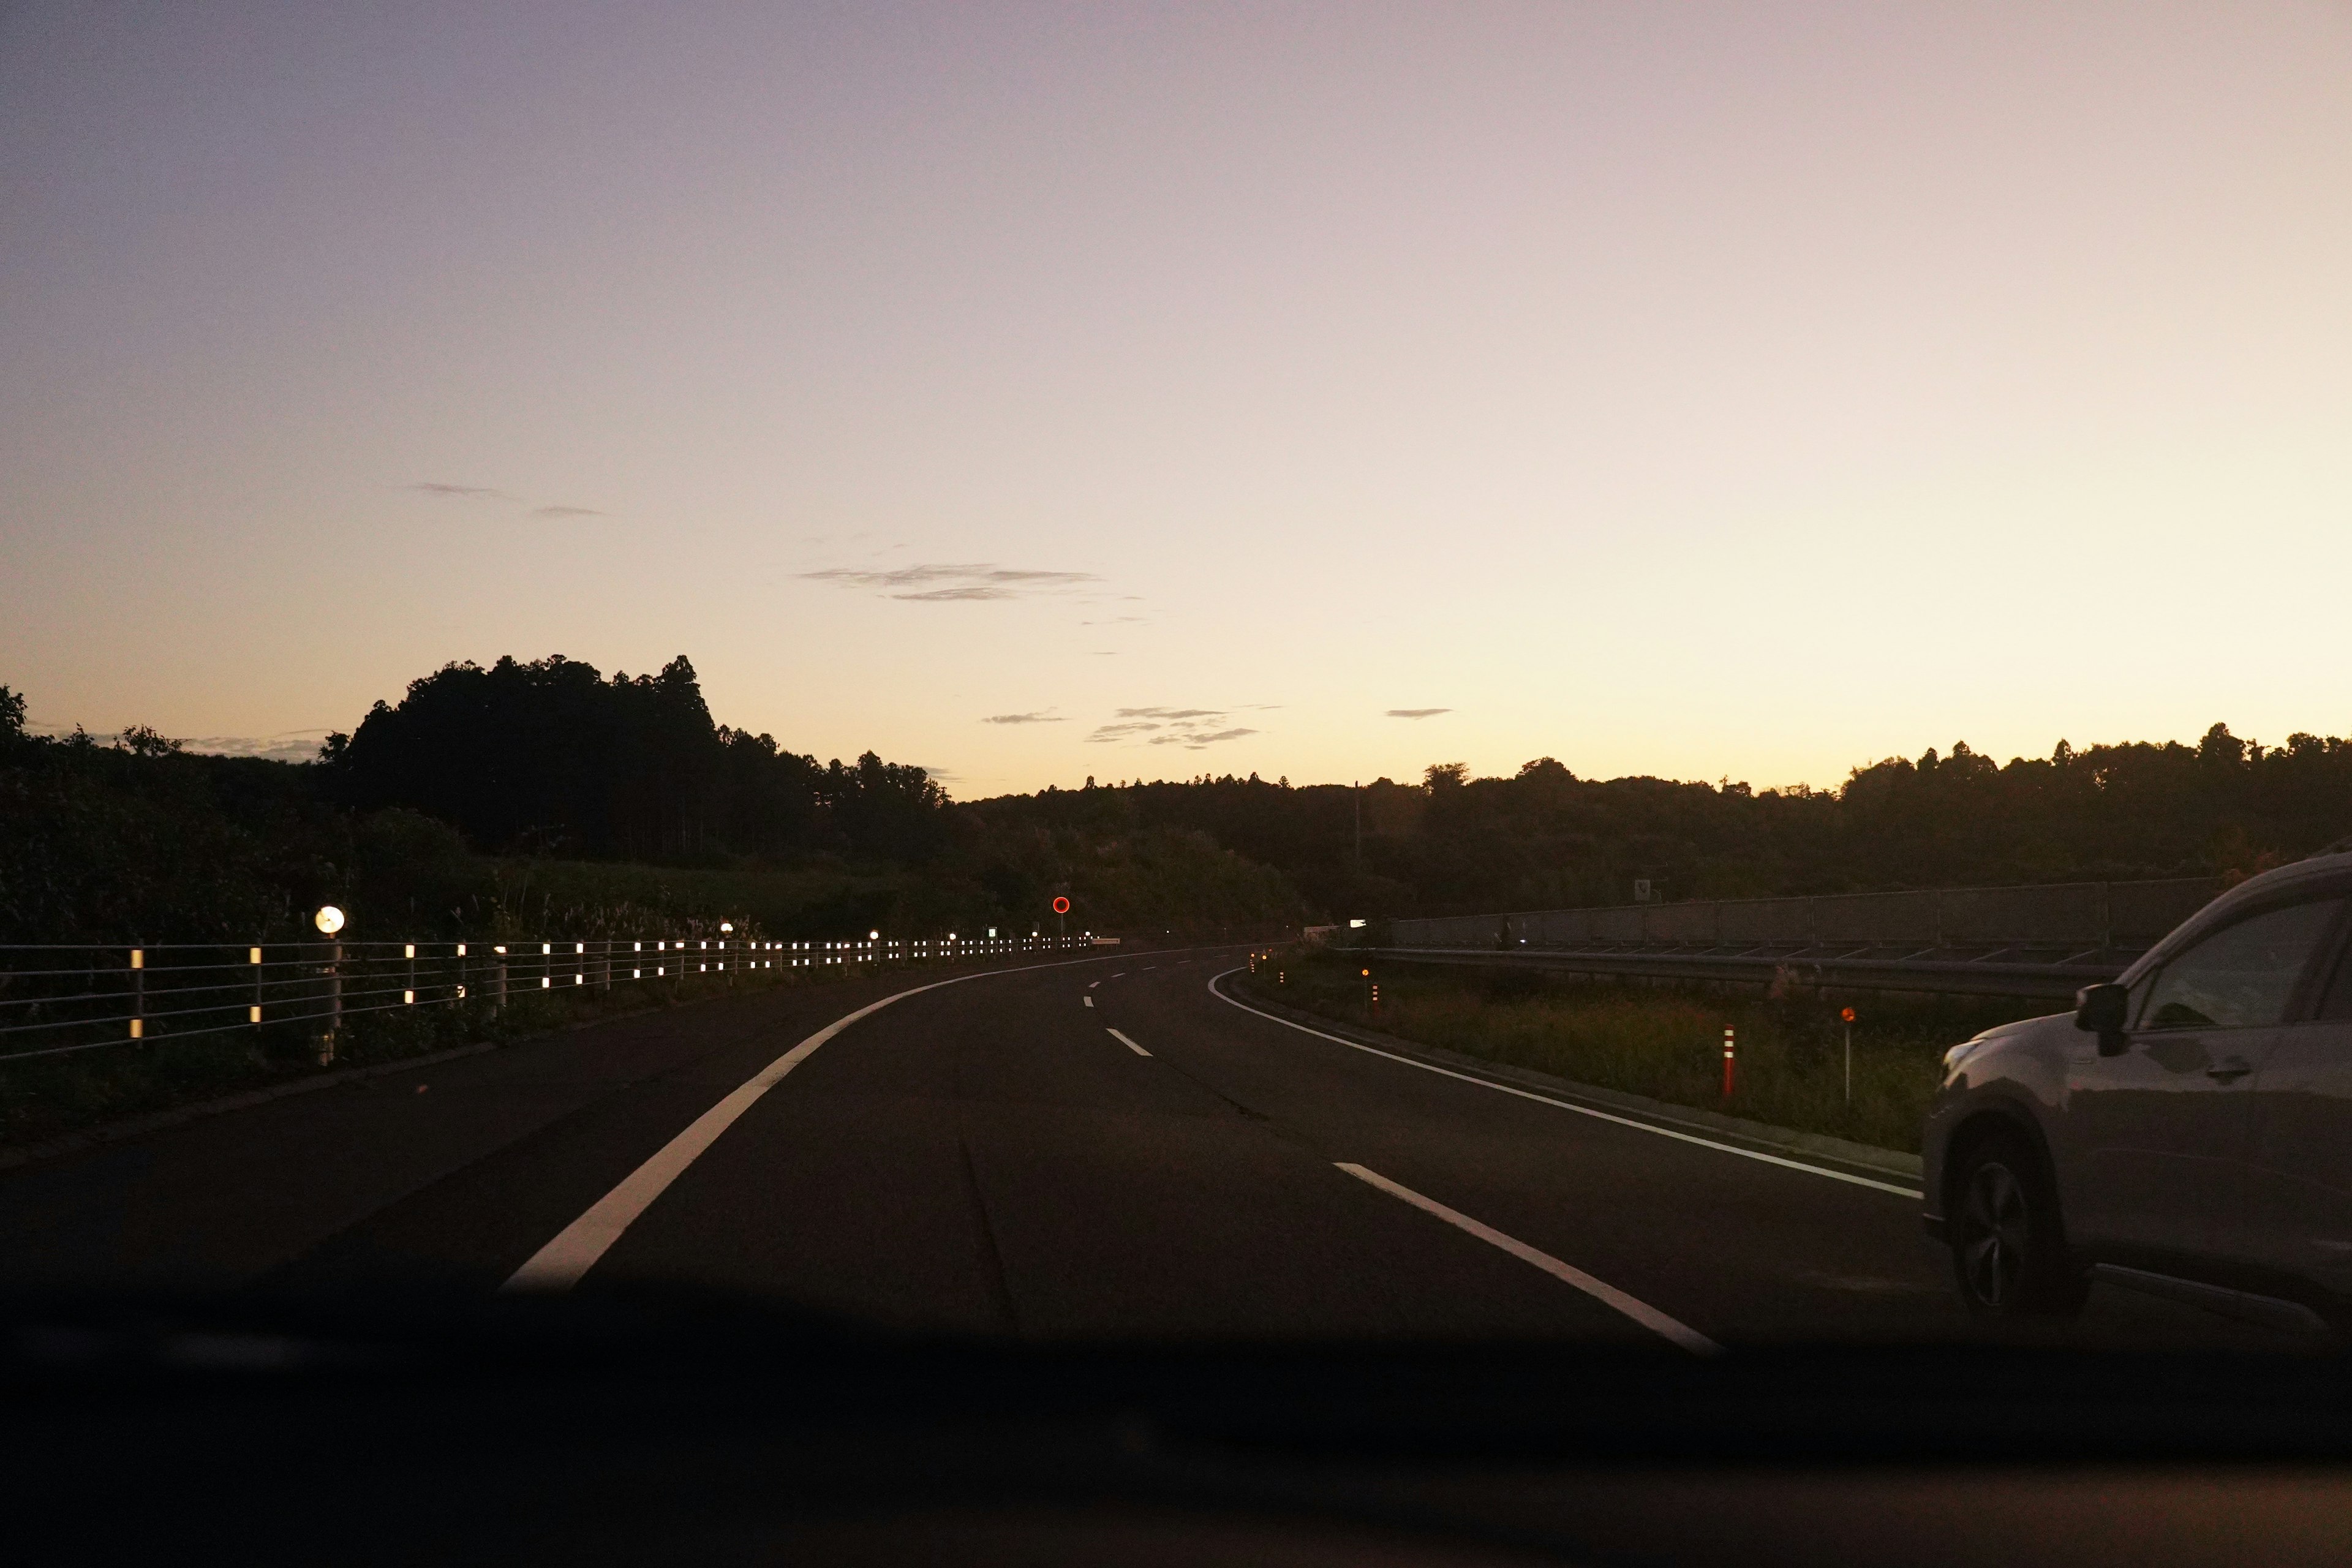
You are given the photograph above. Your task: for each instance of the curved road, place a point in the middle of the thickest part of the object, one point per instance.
(1104, 1148)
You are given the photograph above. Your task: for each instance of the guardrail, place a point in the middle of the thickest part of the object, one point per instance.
(61, 1000)
(2041, 941)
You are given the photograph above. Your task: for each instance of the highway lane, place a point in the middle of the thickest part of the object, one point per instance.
(1100, 1149)
(236, 1199)
(1002, 1163)
(1741, 1248)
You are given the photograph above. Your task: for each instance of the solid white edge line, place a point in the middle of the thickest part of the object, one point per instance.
(1130, 1044)
(1608, 1295)
(1566, 1104)
(559, 1265)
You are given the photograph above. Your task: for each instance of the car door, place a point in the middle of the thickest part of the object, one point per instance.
(2158, 1133)
(2299, 1164)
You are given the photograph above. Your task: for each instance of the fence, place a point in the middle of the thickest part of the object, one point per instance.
(61, 1000)
(2040, 941)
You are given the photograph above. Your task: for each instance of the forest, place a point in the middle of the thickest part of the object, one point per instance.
(544, 795)
(1544, 839)
(550, 758)
(543, 798)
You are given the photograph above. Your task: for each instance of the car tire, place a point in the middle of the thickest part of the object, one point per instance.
(2008, 1247)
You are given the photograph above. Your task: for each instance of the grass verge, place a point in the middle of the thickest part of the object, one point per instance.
(1667, 1043)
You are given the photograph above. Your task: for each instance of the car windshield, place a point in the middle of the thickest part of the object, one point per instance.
(1182, 677)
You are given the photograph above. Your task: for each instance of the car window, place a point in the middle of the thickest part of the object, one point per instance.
(2336, 1001)
(2243, 976)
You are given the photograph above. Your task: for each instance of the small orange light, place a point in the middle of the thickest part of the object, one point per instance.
(1847, 1014)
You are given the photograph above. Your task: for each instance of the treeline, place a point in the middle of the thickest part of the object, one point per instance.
(1545, 839)
(423, 814)
(543, 798)
(551, 758)
(138, 840)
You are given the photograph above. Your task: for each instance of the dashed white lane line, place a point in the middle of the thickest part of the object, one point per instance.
(1130, 1044)
(1087, 1000)
(1608, 1295)
(559, 1265)
(1913, 1193)
(1092, 984)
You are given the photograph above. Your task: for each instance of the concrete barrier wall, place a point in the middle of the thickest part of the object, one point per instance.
(2063, 914)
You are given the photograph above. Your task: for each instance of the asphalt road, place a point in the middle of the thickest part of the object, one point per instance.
(1100, 1149)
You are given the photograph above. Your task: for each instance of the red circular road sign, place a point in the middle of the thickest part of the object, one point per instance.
(1061, 906)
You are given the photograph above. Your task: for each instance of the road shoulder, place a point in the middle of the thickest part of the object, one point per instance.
(1764, 1137)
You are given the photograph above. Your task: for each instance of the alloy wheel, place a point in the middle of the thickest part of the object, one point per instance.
(1996, 1227)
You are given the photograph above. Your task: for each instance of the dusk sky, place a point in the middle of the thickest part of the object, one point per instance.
(1035, 392)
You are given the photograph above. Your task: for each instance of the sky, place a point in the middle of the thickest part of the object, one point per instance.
(1039, 392)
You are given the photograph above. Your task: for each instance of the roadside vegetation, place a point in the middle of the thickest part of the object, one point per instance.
(1543, 838)
(543, 800)
(1665, 1043)
(517, 803)
(45, 1098)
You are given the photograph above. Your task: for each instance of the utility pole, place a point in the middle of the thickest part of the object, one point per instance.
(1358, 800)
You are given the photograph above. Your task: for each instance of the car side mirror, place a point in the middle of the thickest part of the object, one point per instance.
(2100, 1010)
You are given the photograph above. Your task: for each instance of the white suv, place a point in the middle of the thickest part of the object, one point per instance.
(2187, 1129)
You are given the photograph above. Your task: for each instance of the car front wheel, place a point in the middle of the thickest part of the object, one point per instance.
(2008, 1251)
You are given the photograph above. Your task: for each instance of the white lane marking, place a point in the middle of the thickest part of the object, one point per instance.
(1092, 984)
(1087, 1000)
(559, 1265)
(1117, 973)
(1130, 1044)
(1608, 1295)
(1569, 1105)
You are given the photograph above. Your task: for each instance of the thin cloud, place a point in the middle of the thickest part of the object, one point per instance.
(566, 511)
(1417, 712)
(1195, 741)
(1191, 728)
(465, 492)
(1045, 716)
(947, 582)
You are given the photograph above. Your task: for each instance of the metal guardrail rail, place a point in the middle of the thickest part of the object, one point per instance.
(2041, 941)
(58, 1001)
